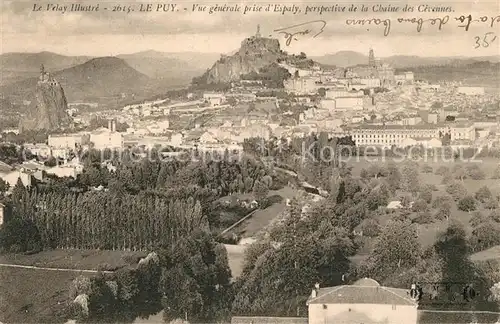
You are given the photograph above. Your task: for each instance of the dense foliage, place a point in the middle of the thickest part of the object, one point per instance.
(146, 203)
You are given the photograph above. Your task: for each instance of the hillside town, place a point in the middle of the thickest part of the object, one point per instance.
(217, 215)
(372, 104)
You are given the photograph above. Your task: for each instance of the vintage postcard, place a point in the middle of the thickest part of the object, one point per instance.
(235, 161)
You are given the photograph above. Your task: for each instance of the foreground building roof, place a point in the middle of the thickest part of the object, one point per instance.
(363, 291)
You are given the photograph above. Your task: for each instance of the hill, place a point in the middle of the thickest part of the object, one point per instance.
(254, 54)
(160, 65)
(484, 74)
(342, 59)
(104, 77)
(351, 58)
(18, 66)
(258, 58)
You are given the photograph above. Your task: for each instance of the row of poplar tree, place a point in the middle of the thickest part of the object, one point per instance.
(140, 205)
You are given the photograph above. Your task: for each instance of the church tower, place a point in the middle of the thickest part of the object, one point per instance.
(371, 58)
(42, 73)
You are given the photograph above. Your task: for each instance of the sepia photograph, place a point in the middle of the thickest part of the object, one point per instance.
(249, 162)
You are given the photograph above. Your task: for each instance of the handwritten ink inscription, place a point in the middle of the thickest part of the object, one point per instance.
(485, 41)
(467, 20)
(314, 28)
(439, 23)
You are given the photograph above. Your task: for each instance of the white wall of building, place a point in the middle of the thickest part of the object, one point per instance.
(362, 313)
(64, 141)
(2, 207)
(103, 140)
(471, 91)
(12, 177)
(349, 103)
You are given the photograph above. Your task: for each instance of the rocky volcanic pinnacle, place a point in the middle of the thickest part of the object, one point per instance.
(48, 107)
(255, 53)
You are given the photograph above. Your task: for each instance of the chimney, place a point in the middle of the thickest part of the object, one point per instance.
(113, 125)
(315, 291)
(110, 124)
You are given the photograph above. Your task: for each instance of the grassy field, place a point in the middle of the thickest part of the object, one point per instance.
(492, 253)
(33, 296)
(263, 217)
(41, 296)
(235, 255)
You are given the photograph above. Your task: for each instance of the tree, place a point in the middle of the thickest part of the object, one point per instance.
(456, 190)
(20, 235)
(491, 203)
(485, 236)
(426, 168)
(396, 247)
(447, 178)
(483, 194)
(467, 203)
(477, 219)
(420, 206)
(443, 213)
(474, 172)
(496, 173)
(410, 179)
(376, 198)
(278, 273)
(4, 187)
(393, 177)
(195, 281)
(452, 253)
(370, 227)
(260, 190)
(424, 217)
(495, 215)
(442, 170)
(459, 172)
(80, 285)
(442, 201)
(426, 194)
(267, 180)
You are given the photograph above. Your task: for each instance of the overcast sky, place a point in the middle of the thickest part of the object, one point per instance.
(111, 33)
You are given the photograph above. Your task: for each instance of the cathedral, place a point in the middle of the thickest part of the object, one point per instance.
(374, 69)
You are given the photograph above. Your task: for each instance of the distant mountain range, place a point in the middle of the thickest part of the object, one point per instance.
(83, 78)
(160, 65)
(18, 66)
(351, 58)
(99, 77)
